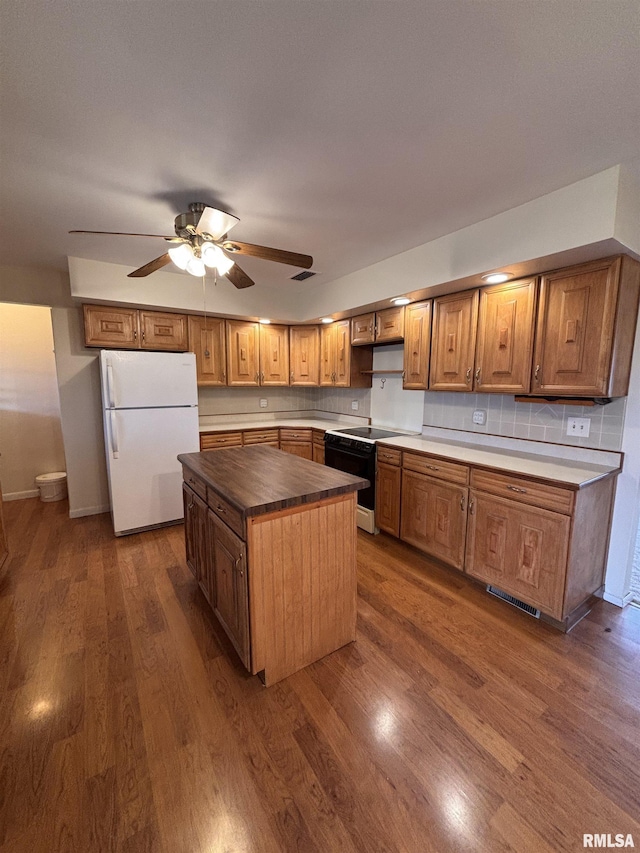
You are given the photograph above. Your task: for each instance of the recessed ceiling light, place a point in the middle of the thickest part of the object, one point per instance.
(326, 319)
(497, 277)
(401, 300)
(264, 321)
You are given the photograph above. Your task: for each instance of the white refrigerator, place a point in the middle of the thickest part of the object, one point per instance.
(150, 408)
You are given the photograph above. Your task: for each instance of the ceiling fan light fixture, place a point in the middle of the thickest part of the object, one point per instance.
(213, 256)
(196, 267)
(181, 255)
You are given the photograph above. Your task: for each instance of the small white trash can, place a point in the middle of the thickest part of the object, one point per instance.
(53, 487)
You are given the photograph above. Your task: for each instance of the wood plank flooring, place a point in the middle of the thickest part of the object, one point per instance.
(454, 723)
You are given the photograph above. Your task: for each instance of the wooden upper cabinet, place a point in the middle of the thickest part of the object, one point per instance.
(340, 365)
(417, 344)
(274, 355)
(304, 355)
(379, 327)
(505, 337)
(243, 347)
(585, 330)
(207, 341)
(110, 327)
(163, 331)
(455, 320)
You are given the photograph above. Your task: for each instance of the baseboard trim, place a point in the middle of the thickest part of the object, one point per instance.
(619, 602)
(88, 510)
(20, 496)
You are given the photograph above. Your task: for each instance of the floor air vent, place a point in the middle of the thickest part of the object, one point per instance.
(527, 608)
(303, 276)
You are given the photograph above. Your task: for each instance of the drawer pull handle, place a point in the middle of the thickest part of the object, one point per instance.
(220, 508)
(191, 480)
(237, 563)
(432, 467)
(517, 489)
(388, 455)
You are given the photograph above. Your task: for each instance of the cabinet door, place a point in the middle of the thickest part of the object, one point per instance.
(520, 549)
(343, 353)
(574, 334)
(4, 550)
(163, 331)
(231, 602)
(195, 513)
(505, 337)
(390, 324)
(243, 346)
(304, 449)
(417, 344)
(207, 341)
(434, 517)
(317, 452)
(274, 355)
(363, 329)
(304, 354)
(110, 327)
(455, 321)
(388, 498)
(327, 354)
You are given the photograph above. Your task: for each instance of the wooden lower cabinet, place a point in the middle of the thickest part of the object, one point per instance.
(231, 594)
(195, 522)
(388, 498)
(317, 449)
(434, 517)
(214, 440)
(519, 548)
(297, 441)
(4, 550)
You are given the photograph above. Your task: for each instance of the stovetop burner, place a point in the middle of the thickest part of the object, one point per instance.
(370, 432)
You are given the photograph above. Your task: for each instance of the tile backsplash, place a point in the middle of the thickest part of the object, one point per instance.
(540, 422)
(441, 409)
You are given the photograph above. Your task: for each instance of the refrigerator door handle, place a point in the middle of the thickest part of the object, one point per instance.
(114, 434)
(110, 398)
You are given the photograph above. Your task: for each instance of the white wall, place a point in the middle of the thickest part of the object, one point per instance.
(30, 428)
(79, 391)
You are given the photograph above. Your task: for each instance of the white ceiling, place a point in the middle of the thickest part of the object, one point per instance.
(349, 130)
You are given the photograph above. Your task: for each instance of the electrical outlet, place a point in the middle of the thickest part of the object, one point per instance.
(263, 403)
(480, 417)
(355, 405)
(578, 426)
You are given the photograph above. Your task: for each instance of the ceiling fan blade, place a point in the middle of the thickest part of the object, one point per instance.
(268, 254)
(124, 234)
(239, 278)
(216, 223)
(152, 266)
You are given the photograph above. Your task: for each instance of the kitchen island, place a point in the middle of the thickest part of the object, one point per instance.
(271, 540)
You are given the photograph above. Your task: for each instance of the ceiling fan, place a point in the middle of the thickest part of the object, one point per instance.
(201, 242)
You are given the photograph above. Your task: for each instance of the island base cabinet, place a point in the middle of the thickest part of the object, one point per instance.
(230, 592)
(302, 585)
(434, 517)
(519, 548)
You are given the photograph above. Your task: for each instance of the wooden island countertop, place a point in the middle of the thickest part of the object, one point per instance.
(258, 479)
(271, 540)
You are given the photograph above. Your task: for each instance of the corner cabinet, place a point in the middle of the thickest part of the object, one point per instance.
(586, 328)
(340, 365)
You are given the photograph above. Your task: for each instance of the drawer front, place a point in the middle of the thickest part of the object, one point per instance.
(212, 440)
(289, 434)
(452, 472)
(194, 482)
(318, 436)
(230, 515)
(388, 455)
(263, 436)
(522, 489)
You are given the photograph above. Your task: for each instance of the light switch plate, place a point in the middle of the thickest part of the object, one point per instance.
(263, 403)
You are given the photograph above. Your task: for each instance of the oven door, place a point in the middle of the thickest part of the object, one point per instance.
(358, 464)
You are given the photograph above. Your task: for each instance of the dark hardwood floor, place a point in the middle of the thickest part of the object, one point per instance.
(454, 723)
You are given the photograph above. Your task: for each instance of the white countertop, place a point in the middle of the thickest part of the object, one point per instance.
(291, 423)
(576, 473)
